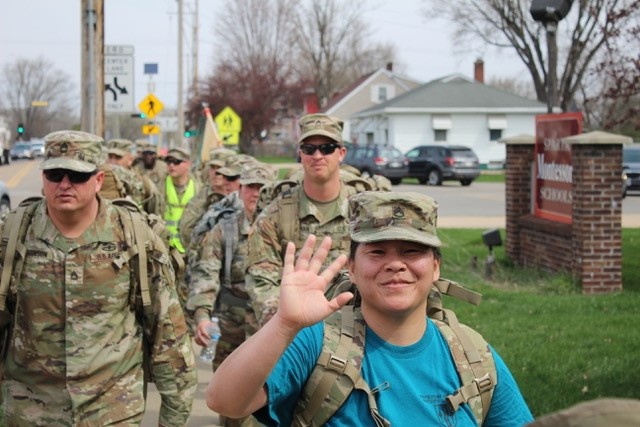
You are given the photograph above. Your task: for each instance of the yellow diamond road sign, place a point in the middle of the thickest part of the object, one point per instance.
(150, 129)
(151, 106)
(228, 121)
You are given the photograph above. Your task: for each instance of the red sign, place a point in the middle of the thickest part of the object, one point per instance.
(553, 171)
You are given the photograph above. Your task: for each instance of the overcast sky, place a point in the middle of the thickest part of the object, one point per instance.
(51, 28)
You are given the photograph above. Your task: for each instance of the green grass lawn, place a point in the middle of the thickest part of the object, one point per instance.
(562, 347)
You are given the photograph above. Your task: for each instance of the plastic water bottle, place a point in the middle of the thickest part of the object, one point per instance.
(208, 353)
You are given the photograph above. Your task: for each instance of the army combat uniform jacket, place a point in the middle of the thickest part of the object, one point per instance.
(268, 240)
(210, 285)
(76, 352)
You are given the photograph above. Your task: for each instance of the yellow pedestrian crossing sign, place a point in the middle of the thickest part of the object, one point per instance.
(150, 129)
(151, 106)
(228, 121)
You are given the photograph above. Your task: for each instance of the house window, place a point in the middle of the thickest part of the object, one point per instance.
(440, 135)
(495, 134)
(382, 93)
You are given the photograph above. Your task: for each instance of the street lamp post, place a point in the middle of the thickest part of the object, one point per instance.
(549, 13)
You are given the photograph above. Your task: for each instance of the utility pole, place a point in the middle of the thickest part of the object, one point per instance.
(180, 106)
(196, 24)
(92, 80)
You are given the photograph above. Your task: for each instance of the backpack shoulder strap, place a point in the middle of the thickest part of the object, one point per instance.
(13, 234)
(137, 231)
(337, 371)
(229, 224)
(288, 216)
(474, 363)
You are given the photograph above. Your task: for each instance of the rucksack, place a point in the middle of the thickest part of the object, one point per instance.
(139, 228)
(287, 191)
(337, 370)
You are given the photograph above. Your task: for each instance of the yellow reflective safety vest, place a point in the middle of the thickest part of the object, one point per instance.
(174, 209)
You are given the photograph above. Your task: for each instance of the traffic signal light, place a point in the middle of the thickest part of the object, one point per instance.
(188, 133)
(20, 128)
(139, 115)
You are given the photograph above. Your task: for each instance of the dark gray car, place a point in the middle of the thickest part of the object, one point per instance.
(433, 164)
(377, 160)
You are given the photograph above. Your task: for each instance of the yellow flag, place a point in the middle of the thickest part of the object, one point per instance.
(210, 137)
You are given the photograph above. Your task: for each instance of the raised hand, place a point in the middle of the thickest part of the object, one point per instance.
(302, 300)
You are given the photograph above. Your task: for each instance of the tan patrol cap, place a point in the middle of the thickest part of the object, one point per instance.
(320, 124)
(73, 150)
(377, 216)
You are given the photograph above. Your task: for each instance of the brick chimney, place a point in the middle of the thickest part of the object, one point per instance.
(478, 70)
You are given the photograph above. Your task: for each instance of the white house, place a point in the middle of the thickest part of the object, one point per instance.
(369, 90)
(451, 110)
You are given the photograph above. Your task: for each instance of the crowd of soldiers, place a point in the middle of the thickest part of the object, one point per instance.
(220, 230)
(108, 278)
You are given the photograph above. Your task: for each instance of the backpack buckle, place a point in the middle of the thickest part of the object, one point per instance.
(337, 364)
(484, 383)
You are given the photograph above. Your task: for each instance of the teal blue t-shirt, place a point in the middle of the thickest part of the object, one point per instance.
(414, 381)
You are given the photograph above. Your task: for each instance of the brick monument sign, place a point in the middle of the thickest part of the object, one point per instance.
(564, 201)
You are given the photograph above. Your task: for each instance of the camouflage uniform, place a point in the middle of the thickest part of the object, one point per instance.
(217, 283)
(268, 240)
(158, 173)
(204, 198)
(76, 352)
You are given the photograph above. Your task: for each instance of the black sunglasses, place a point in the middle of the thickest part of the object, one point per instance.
(149, 153)
(57, 175)
(231, 178)
(325, 149)
(172, 161)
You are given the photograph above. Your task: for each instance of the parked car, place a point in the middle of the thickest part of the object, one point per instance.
(433, 164)
(631, 167)
(20, 150)
(5, 200)
(378, 160)
(37, 148)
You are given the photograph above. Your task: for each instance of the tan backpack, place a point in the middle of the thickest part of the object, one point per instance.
(139, 227)
(337, 370)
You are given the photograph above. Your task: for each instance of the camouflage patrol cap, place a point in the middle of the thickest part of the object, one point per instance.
(119, 147)
(74, 150)
(178, 154)
(234, 164)
(144, 145)
(257, 174)
(218, 156)
(381, 215)
(320, 124)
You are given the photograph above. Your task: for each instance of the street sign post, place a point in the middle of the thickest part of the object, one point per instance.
(229, 126)
(118, 79)
(151, 106)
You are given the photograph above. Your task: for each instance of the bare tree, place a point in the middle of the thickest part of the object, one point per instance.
(333, 45)
(27, 80)
(615, 105)
(253, 74)
(513, 85)
(508, 24)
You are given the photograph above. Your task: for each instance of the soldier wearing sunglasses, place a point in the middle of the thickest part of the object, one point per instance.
(75, 354)
(317, 206)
